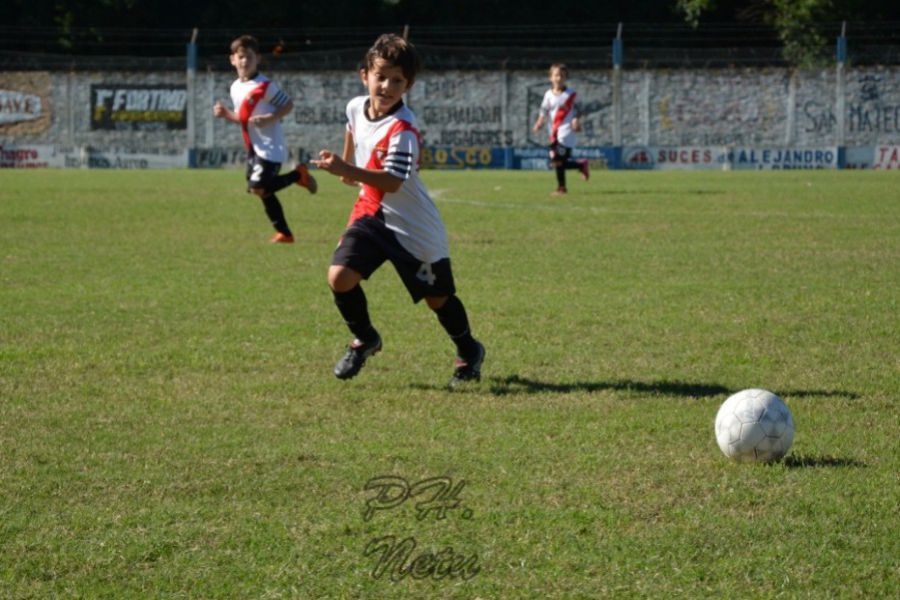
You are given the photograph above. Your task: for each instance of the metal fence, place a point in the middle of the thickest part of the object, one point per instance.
(588, 46)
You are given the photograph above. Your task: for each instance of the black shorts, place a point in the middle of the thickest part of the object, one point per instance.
(260, 172)
(367, 243)
(559, 153)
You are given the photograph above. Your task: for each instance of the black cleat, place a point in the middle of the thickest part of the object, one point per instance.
(355, 358)
(468, 369)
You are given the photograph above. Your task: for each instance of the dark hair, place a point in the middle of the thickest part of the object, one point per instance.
(398, 52)
(562, 68)
(246, 42)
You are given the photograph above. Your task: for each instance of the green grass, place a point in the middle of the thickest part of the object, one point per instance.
(170, 428)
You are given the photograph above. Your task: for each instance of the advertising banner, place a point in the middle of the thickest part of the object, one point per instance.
(771, 159)
(29, 156)
(724, 158)
(25, 105)
(463, 157)
(17, 106)
(887, 157)
(860, 157)
(537, 158)
(673, 158)
(138, 107)
(40, 156)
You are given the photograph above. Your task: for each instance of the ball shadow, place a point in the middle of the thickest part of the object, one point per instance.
(802, 461)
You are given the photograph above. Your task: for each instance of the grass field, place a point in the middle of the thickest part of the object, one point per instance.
(170, 428)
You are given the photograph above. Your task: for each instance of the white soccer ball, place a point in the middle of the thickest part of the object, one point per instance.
(754, 426)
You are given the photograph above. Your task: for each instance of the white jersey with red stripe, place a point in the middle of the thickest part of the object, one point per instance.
(392, 144)
(559, 110)
(261, 96)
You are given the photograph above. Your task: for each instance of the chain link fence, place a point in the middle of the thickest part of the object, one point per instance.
(669, 46)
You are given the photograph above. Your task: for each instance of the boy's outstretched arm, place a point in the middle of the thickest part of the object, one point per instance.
(334, 164)
(539, 123)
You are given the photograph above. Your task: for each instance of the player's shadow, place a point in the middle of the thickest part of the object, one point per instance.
(802, 461)
(516, 384)
(664, 193)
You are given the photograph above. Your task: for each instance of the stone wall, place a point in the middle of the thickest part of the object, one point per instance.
(736, 107)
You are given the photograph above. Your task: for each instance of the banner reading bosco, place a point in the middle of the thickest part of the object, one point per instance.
(138, 107)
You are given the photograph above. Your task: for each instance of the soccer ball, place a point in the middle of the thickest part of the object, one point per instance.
(754, 426)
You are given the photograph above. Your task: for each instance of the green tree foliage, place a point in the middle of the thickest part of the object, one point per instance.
(806, 28)
(801, 26)
(692, 9)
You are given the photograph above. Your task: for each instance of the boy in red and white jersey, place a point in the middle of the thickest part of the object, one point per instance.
(259, 105)
(394, 218)
(561, 110)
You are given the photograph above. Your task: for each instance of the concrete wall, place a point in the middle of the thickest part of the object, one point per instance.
(735, 107)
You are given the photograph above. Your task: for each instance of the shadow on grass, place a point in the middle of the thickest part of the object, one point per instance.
(800, 461)
(664, 193)
(515, 384)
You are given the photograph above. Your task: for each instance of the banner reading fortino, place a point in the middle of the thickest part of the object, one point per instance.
(138, 107)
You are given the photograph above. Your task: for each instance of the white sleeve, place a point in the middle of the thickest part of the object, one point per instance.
(402, 154)
(545, 105)
(349, 113)
(276, 96)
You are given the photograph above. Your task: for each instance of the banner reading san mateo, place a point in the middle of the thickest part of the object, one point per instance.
(138, 107)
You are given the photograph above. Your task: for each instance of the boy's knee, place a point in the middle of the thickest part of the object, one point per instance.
(261, 192)
(436, 302)
(342, 279)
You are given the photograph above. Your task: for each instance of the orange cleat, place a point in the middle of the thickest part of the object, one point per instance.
(559, 192)
(306, 180)
(584, 168)
(282, 238)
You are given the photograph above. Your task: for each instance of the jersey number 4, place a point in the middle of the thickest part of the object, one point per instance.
(425, 274)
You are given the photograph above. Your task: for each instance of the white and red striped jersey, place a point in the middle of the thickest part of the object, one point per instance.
(392, 143)
(559, 110)
(260, 96)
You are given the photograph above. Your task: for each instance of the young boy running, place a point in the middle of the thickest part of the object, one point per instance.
(560, 107)
(394, 218)
(259, 105)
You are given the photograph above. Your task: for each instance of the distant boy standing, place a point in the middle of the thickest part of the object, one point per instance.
(259, 105)
(394, 218)
(563, 113)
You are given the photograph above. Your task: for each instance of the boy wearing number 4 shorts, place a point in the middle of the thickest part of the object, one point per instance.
(394, 219)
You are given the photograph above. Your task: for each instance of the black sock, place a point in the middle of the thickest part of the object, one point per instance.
(355, 310)
(452, 316)
(282, 181)
(561, 176)
(276, 214)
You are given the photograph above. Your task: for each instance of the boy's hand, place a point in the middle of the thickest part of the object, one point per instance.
(261, 120)
(576, 124)
(219, 110)
(331, 162)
